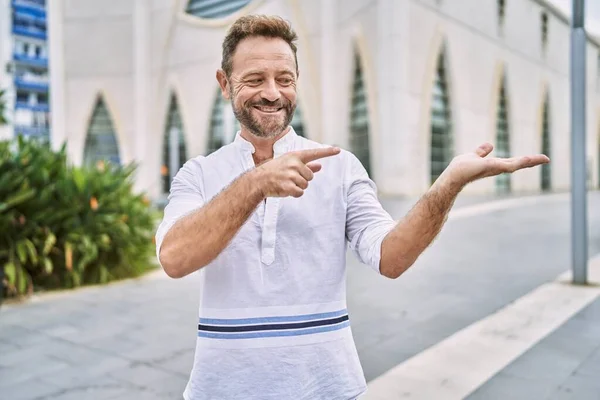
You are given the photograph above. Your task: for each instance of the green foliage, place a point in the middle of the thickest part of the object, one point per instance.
(3, 120)
(64, 226)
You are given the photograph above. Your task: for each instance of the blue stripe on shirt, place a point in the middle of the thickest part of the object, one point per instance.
(254, 335)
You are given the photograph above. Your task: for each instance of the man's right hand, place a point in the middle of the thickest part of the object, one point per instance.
(289, 174)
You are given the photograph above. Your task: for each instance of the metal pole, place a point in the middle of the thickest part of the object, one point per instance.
(579, 240)
(173, 152)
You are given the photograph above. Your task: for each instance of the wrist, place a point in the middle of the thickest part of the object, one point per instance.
(450, 181)
(257, 181)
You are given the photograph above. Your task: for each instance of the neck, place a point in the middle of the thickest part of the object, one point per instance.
(263, 146)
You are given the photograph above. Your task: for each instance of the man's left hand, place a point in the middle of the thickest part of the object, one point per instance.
(466, 168)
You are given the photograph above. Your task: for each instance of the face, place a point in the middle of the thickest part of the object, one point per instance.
(262, 85)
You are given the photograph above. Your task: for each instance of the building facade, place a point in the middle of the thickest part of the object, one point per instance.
(404, 84)
(24, 59)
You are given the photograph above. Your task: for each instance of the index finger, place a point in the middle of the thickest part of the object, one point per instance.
(309, 155)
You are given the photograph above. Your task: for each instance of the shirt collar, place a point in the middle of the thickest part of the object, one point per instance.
(282, 145)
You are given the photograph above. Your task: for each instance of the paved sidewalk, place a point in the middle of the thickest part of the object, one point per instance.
(461, 365)
(130, 340)
(135, 339)
(564, 365)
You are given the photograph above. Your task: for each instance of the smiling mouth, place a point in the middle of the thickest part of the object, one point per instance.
(268, 110)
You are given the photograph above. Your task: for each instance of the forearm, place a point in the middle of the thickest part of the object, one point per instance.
(198, 238)
(415, 232)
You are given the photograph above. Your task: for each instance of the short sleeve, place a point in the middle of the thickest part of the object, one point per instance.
(367, 223)
(186, 196)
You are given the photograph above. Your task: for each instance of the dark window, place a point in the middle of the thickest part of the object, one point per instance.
(297, 121)
(101, 142)
(502, 138)
(214, 8)
(359, 118)
(173, 124)
(22, 97)
(501, 11)
(544, 30)
(223, 124)
(442, 148)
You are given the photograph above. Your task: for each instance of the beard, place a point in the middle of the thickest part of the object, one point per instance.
(266, 126)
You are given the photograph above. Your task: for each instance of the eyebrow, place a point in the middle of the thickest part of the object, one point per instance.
(261, 72)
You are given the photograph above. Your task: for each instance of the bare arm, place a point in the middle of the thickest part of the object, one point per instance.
(197, 239)
(413, 234)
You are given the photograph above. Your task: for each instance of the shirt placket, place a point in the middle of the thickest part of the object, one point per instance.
(268, 212)
(269, 233)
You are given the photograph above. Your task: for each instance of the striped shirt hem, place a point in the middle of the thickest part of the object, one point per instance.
(280, 326)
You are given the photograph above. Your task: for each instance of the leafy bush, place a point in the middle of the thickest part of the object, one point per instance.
(3, 120)
(64, 226)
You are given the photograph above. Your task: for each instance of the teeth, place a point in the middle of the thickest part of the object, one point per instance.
(268, 109)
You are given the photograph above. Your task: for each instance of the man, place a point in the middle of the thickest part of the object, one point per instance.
(267, 220)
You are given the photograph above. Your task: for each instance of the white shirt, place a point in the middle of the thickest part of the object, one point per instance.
(273, 322)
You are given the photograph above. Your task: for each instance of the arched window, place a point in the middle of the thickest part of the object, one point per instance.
(173, 135)
(501, 6)
(101, 141)
(214, 8)
(502, 138)
(223, 124)
(442, 146)
(546, 146)
(544, 28)
(298, 122)
(359, 118)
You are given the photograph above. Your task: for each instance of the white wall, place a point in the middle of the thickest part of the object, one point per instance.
(98, 60)
(477, 55)
(105, 45)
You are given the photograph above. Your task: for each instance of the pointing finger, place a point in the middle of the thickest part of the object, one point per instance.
(314, 154)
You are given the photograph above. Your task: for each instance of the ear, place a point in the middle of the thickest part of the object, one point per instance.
(223, 83)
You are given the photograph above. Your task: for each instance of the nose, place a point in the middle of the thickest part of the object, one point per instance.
(270, 91)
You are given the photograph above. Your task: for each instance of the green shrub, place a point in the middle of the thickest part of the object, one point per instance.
(3, 119)
(64, 226)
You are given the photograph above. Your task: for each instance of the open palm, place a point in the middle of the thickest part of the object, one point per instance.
(475, 165)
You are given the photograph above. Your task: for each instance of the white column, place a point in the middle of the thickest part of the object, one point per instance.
(390, 153)
(56, 66)
(329, 133)
(141, 44)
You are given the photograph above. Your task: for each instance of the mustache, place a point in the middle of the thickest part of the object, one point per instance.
(267, 103)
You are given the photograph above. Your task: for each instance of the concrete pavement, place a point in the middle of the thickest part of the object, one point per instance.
(564, 365)
(135, 339)
(457, 366)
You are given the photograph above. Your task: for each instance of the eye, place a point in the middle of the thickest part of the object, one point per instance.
(254, 82)
(286, 81)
